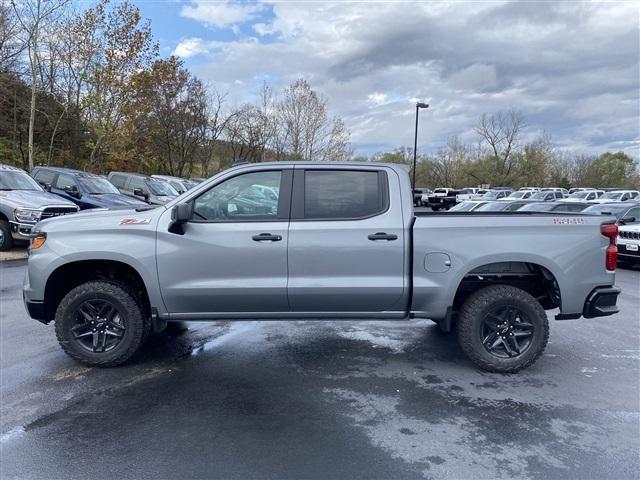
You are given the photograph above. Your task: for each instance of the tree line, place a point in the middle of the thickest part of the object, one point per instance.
(501, 157)
(88, 89)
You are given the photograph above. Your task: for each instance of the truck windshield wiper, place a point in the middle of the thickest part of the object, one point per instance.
(144, 209)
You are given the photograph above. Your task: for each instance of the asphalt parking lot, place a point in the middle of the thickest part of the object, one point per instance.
(320, 400)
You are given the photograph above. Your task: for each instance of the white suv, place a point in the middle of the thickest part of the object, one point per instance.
(629, 242)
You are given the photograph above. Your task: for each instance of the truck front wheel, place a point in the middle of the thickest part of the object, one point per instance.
(100, 324)
(502, 329)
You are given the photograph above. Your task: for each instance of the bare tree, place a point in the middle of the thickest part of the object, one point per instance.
(33, 15)
(11, 45)
(306, 132)
(500, 132)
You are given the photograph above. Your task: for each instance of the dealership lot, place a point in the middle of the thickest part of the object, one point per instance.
(320, 399)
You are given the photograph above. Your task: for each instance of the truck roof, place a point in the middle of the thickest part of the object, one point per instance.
(68, 171)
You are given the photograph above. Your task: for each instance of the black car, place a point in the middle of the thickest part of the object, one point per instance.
(626, 213)
(86, 190)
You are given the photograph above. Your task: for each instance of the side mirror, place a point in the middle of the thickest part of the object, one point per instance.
(140, 193)
(47, 186)
(72, 190)
(181, 213)
(627, 220)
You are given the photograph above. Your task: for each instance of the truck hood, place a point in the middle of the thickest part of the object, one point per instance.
(32, 199)
(102, 219)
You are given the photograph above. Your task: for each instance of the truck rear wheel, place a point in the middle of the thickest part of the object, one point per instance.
(502, 329)
(100, 324)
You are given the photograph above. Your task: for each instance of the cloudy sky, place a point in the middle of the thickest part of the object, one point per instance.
(571, 68)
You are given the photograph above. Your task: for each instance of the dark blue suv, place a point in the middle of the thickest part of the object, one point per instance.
(86, 190)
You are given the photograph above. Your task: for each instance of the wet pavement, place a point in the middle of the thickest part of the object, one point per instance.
(283, 399)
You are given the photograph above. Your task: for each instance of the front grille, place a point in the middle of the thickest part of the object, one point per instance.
(630, 235)
(50, 212)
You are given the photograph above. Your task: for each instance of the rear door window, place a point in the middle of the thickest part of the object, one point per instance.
(44, 177)
(344, 194)
(118, 180)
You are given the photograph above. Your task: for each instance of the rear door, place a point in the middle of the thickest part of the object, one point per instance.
(346, 241)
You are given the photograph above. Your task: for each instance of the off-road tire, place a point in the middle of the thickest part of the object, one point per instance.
(472, 314)
(6, 242)
(137, 326)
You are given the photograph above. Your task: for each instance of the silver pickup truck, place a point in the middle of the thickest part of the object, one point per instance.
(340, 241)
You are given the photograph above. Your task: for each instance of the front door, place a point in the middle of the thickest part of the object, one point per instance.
(232, 255)
(346, 242)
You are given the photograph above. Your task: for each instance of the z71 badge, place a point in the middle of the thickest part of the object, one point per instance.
(135, 221)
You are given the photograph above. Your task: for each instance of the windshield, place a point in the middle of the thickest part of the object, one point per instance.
(463, 207)
(539, 195)
(490, 195)
(519, 195)
(493, 207)
(439, 190)
(97, 185)
(612, 195)
(584, 194)
(15, 180)
(161, 189)
(614, 210)
(536, 207)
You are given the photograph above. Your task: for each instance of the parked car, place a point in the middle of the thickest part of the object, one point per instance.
(501, 206)
(563, 207)
(585, 195)
(629, 243)
(547, 196)
(86, 190)
(418, 193)
(564, 191)
(617, 196)
(142, 187)
(519, 195)
(492, 195)
(442, 199)
(344, 242)
(180, 185)
(23, 202)
(626, 213)
(467, 206)
(468, 193)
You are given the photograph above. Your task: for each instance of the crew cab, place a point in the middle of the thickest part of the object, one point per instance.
(342, 242)
(441, 199)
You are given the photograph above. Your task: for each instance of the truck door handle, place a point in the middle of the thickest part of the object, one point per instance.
(382, 236)
(264, 237)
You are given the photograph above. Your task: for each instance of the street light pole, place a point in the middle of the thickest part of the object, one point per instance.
(419, 105)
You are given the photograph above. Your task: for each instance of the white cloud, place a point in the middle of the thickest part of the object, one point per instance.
(571, 68)
(220, 13)
(190, 47)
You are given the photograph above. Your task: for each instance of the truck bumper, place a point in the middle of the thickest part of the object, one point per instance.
(601, 302)
(36, 310)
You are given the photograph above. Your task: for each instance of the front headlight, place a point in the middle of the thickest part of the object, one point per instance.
(27, 215)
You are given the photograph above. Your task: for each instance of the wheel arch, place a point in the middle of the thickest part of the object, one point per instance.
(533, 277)
(69, 275)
